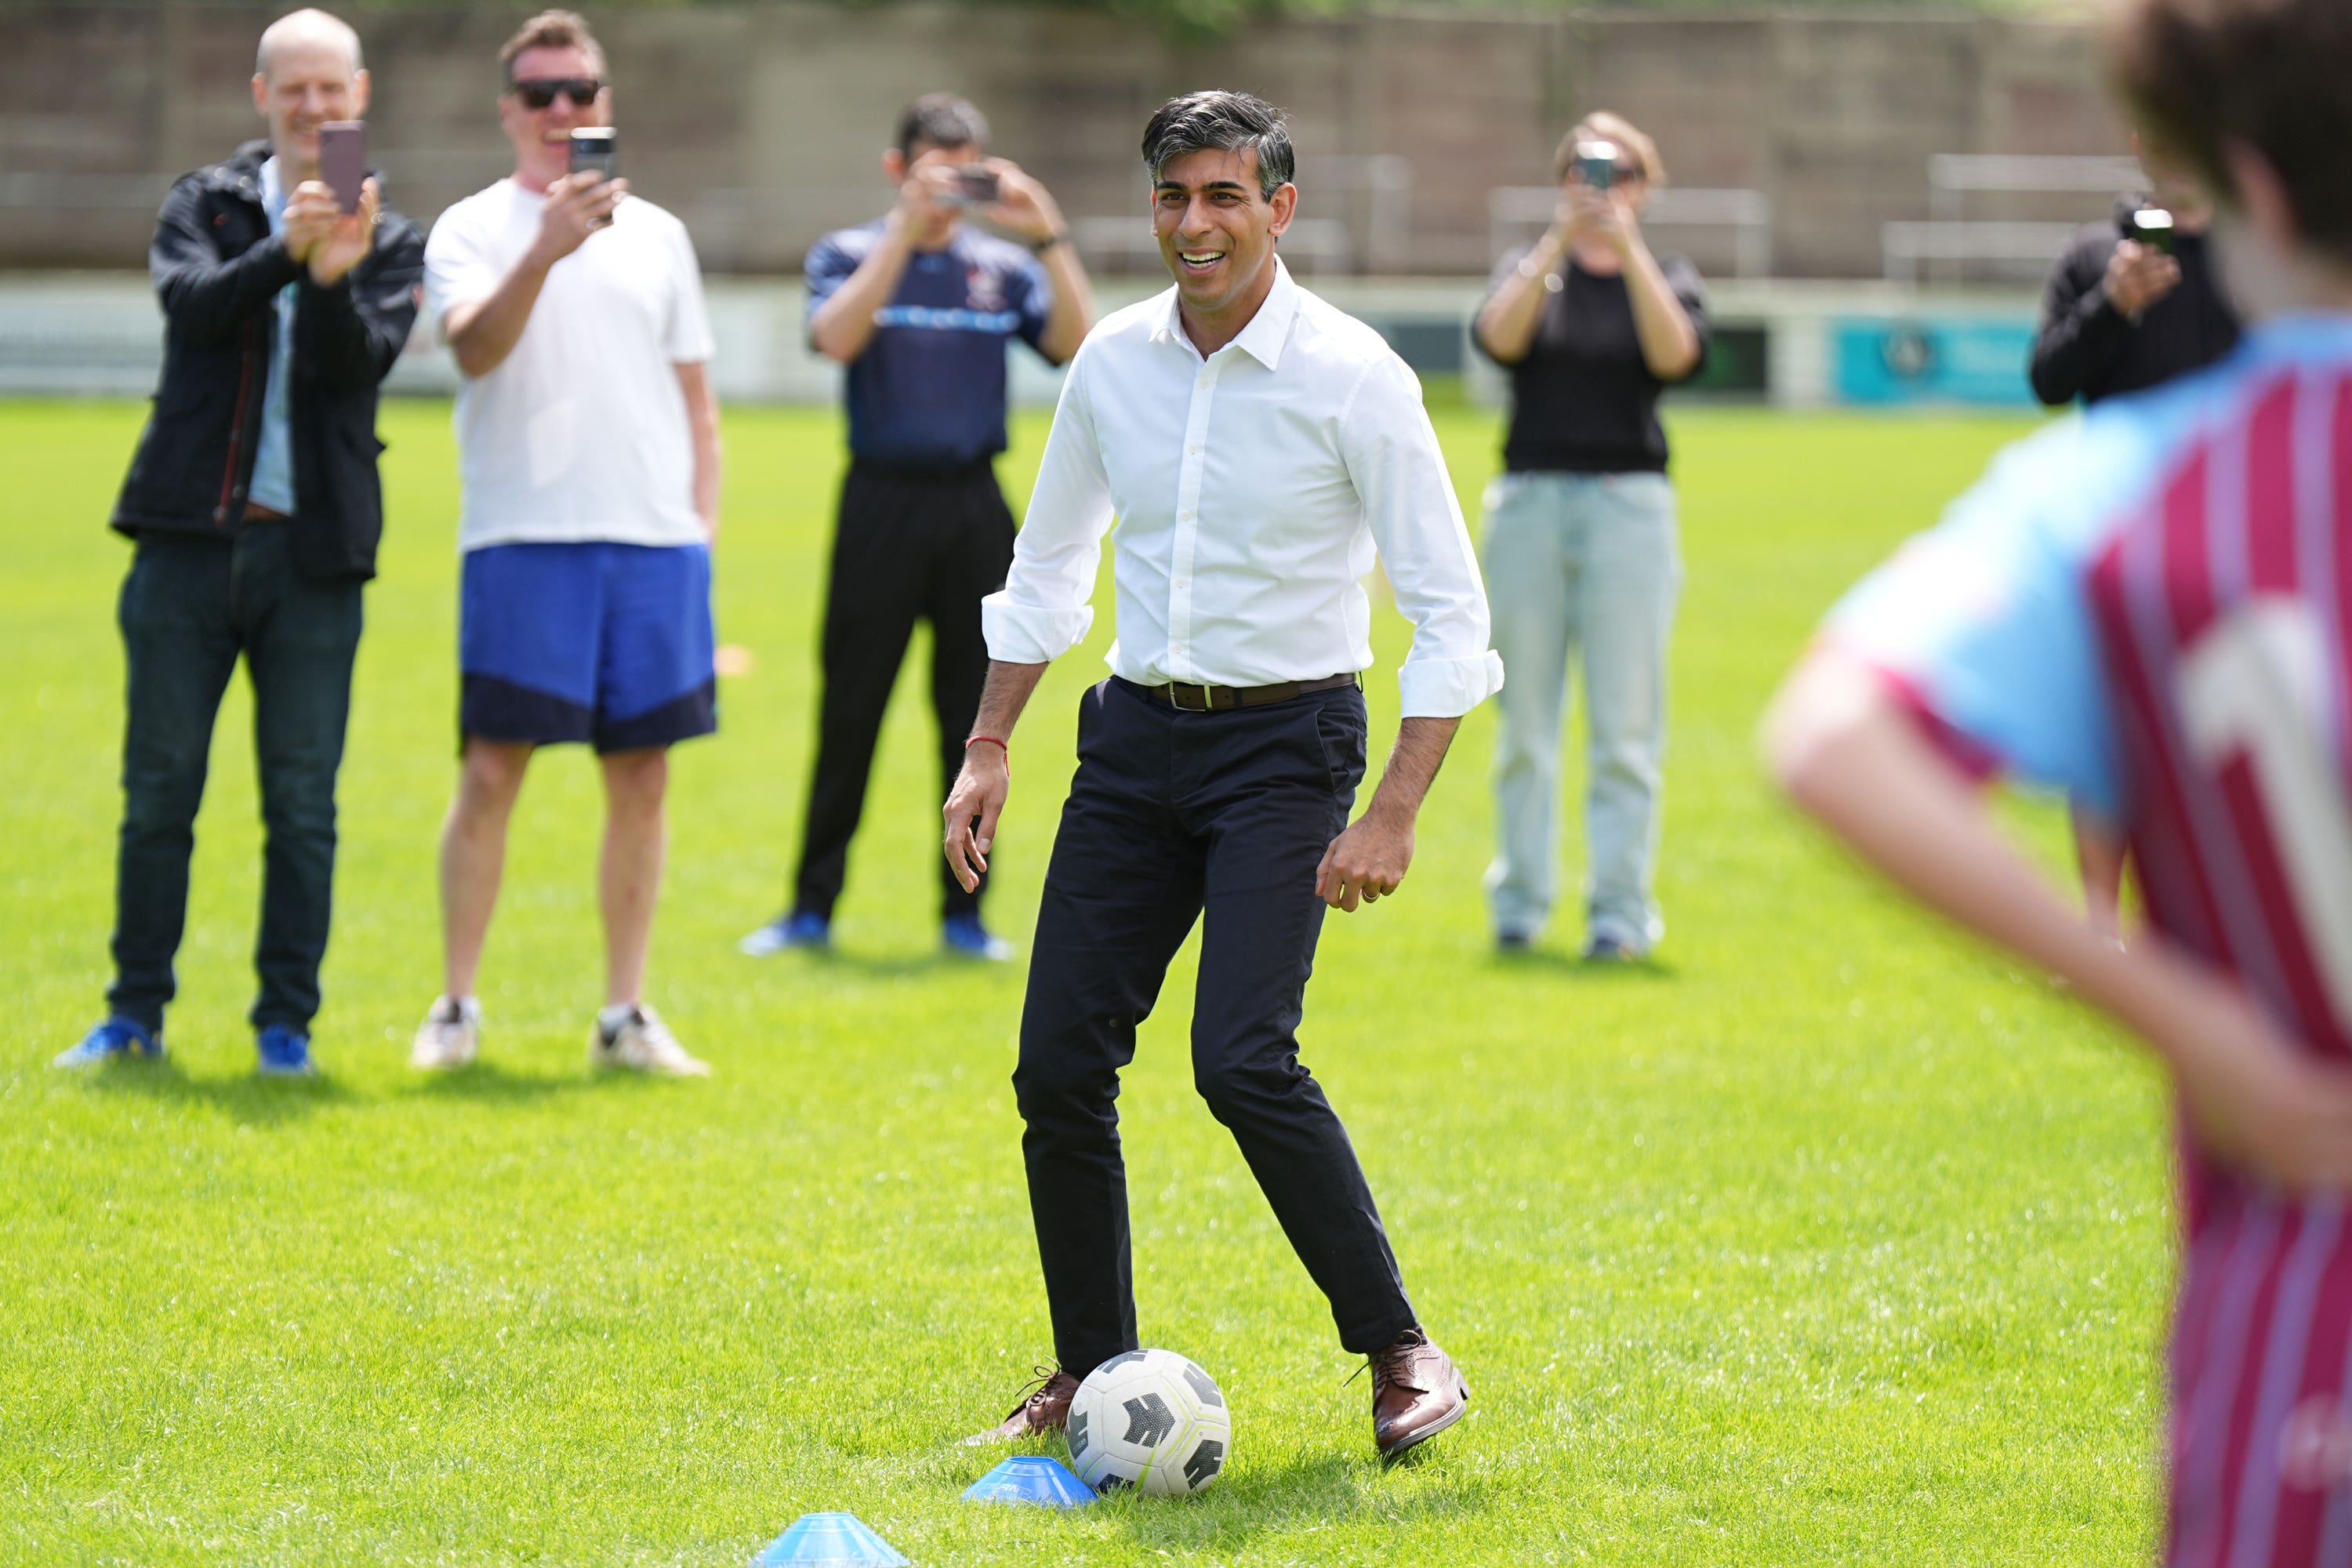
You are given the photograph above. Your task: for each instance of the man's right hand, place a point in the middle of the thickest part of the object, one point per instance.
(577, 206)
(972, 809)
(310, 216)
(927, 199)
(2137, 277)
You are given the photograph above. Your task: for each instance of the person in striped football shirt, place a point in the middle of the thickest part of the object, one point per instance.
(2149, 607)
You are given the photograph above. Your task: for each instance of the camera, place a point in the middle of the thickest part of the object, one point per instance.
(2152, 226)
(342, 161)
(1596, 164)
(596, 152)
(975, 186)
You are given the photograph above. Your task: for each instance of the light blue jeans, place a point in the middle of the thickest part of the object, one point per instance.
(1583, 561)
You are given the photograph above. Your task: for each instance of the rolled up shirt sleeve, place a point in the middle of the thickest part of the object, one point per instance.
(1392, 455)
(1043, 610)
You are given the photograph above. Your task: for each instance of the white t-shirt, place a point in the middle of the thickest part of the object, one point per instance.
(580, 433)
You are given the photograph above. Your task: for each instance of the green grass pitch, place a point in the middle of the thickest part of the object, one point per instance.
(1826, 1239)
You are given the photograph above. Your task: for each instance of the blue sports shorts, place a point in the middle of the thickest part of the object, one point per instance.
(609, 643)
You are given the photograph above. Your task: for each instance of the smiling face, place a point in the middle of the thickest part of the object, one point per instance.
(542, 137)
(311, 79)
(1216, 229)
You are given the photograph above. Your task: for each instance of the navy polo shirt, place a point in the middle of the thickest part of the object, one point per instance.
(929, 388)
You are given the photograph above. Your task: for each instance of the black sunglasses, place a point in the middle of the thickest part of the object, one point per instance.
(539, 94)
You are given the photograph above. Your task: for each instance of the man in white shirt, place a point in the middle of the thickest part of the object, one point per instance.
(1256, 446)
(588, 440)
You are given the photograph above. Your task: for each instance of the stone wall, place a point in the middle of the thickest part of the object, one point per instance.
(761, 125)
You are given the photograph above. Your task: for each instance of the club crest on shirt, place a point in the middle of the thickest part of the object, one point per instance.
(984, 290)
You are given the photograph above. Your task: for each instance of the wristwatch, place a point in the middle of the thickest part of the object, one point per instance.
(1040, 247)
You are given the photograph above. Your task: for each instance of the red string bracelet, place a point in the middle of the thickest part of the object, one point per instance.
(991, 740)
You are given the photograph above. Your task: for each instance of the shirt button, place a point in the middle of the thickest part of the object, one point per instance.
(1194, 450)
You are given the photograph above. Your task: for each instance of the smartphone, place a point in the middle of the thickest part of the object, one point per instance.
(596, 152)
(343, 160)
(2152, 226)
(975, 186)
(1596, 164)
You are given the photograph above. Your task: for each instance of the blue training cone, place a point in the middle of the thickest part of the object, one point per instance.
(1031, 1478)
(829, 1540)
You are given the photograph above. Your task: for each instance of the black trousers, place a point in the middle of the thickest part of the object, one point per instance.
(910, 546)
(1174, 817)
(190, 606)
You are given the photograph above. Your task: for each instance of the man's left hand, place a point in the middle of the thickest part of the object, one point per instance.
(1366, 861)
(347, 243)
(1022, 207)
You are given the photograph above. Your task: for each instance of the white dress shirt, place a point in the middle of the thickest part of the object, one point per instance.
(1251, 490)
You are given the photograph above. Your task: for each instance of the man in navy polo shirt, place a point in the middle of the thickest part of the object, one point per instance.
(921, 306)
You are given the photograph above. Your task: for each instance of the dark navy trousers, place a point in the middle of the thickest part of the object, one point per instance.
(1175, 817)
(191, 608)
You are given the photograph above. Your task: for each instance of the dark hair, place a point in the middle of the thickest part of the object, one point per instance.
(1218, 121)
(2270, 75)
(943, 120)
(551, 30)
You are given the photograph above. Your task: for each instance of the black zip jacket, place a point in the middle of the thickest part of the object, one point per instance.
(217, 270)
(2088, 349)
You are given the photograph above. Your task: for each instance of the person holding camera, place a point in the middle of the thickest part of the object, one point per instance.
(1580, 550)
(921, 308)
(255, 508)
(588, 443)
(2133, 303)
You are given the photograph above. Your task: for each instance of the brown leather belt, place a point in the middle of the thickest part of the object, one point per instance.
(256, 512)
(1214, 698)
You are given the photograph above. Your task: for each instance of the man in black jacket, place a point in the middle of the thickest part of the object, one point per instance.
(254, 503)
(2118, 315)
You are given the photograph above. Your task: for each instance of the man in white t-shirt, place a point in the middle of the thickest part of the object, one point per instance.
(588, 441)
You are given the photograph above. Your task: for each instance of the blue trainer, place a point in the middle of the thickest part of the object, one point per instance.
(285, 1052)
(117, 1039)
(965, 935)
(801, 928)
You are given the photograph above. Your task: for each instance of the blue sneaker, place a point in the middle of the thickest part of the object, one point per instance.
(801, 928)
(964, 934)
(285, 1052)
(117, 1039)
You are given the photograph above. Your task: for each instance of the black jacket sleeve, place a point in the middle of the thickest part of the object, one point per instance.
(203, 294)
(349, 333)
(2081, 332)
(1683, 279)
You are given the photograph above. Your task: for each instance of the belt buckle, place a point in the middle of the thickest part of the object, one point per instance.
(1176, 689)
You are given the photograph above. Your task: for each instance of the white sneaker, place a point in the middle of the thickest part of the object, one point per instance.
(450, 1035)
(639, 1041)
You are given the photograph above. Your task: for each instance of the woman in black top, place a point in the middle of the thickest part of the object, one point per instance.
(1580, 534)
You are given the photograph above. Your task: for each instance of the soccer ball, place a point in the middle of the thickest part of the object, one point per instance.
(1150, 1420)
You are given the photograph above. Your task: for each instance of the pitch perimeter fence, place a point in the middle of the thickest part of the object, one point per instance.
(1794, 343)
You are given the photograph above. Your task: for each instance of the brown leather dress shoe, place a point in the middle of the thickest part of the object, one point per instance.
(1045, 1409)
(1417, 1393)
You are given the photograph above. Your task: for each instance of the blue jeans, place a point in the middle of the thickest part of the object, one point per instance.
(190, 606)
(1588, 562)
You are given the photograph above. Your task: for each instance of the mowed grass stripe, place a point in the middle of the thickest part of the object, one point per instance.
(1826, 1239)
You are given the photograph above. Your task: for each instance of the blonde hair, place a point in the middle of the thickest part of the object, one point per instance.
(1600, 125)
(551, 30)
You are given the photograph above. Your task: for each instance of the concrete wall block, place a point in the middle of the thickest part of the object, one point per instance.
(762, 125)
